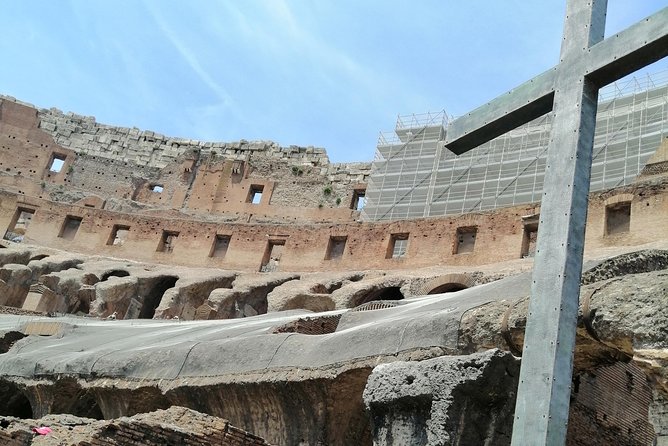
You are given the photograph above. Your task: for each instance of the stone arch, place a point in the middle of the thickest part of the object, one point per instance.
(114, 273)
(618, 198)
(154, 296)
(86, 406)
(115, 402)
(447, 284)
(69, 397)
(383, 293)
(13, 402)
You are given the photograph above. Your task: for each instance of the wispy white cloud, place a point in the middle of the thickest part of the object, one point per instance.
(190, 57)
(275, 30)
(326, 72)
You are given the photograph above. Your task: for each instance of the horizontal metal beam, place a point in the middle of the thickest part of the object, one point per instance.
(611, 59)
(522, 104)
(627, 51)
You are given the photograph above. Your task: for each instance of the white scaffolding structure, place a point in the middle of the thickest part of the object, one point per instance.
(414, 175)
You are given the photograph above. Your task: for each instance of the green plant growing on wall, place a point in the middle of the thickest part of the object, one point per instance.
(43, 184)
(338, 200)
(320, 205)
(70, 169)
(297, 171)
(327, 191)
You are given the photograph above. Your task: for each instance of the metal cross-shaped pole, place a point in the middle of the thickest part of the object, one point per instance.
(570, 91)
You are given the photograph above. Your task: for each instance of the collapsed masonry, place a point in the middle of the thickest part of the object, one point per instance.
(72, 159)
(174, 426)
(297, 377)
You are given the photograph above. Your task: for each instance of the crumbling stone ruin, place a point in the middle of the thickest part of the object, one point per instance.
(160, 290)
(176, 425)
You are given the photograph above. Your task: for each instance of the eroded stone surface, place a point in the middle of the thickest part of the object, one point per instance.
(238, 369)
(450, 400)
(630, 263)
(176, 425)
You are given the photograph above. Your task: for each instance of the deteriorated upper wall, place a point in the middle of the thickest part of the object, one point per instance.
(142, 170)
(84, 135)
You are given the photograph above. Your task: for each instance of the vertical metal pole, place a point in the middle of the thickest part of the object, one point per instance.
(541, 413)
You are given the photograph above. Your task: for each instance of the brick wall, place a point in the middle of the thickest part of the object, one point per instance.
(499, 235)
(610, 407)
(196, 177)
(311, 325)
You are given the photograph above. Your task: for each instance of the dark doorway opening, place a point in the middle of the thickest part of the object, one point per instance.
(154, 296)
(13, 402)
(617, 218)
(272, 256)
(389, 293)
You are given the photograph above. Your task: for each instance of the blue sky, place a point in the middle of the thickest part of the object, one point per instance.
(327, 73)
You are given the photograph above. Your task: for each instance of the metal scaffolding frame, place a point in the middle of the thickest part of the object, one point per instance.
(414, 175)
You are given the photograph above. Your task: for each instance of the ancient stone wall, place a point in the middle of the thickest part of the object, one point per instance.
(434, 402)
(47, 154)
(84, 134)
(257, 245)
(610, 406)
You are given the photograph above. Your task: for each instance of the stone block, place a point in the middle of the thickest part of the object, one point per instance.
(48, 126)
(44, 301)
(441, 401)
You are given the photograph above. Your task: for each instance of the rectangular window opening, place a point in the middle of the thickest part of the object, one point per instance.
(157, 188)
(529, 240)
(335, 247)
(70, 227)
(119, 234)
(398, 246)
(359, 199)
(57, 162)
(167, 241)
(237, 167)
(465, 241)
(618, 218)
(255, 194)
(19, 224)
(272, 256)
(220, 245)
